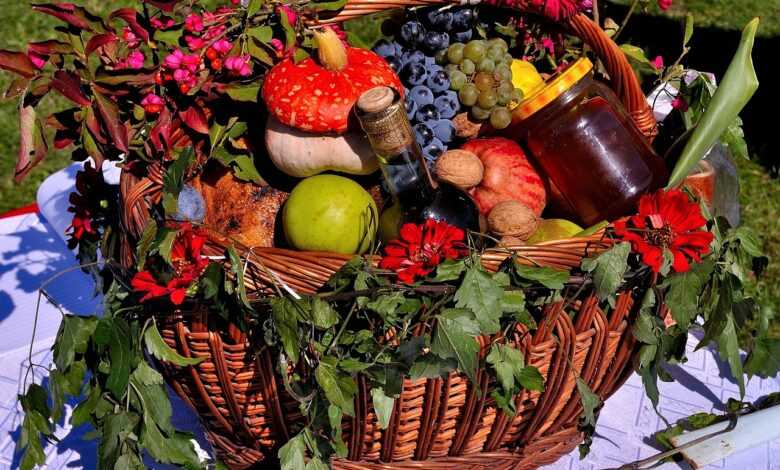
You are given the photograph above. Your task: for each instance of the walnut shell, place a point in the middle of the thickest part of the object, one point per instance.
(510, 242)
(460, 168)
(513, 218)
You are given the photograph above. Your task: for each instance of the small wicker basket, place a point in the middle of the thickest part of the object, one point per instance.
(436, 423)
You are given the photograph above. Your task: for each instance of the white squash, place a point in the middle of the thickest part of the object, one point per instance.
(302, 154)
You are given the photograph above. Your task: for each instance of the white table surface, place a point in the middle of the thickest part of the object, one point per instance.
(32, 250)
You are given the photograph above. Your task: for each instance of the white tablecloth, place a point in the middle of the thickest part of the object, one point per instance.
(32, 250)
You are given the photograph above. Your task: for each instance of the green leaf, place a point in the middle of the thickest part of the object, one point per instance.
(316, 464)
(259, 52)
(685, 289)
(290, 37)
(513, 301)
(608, 269)
(431, 366)
(366, 31)
(590, 402)
(449, 270)
(334, 418)
(253, 7)
(238, 270)
(386, 306)
(323, 315)
(550, 278)
(210, 280)
(145, 244)
(482, 294)
(174, 176)
(531, 379)
(737, 87)
(170, 37)
(86, 407)
(149, 393)
(451, 341)
(244, 93)
(263, 34)
(293, 454)
(383, 406)
(176, 449)
(728, 347)
(72, 338)
(327, 5)
(638, 60)
(645, 328)
(158, 348)
(340, 389)
(507, 362)
(764, 359)
(286, 323)
(689, 23)
(165, 239)
(117, 333)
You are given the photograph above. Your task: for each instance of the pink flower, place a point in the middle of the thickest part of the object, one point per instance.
(239, 65)
(680, 103)
(177, 59)
(586, 4)
(38, 60)
(214, 32)
(134, 60)
(664, 4)
(277, 44)
(193, 23)
(222, 46)
(163, 22)
(152, 104)
(184, 77)
(291, 16)
(548, 44)
(658, 62)
(194, 43)
(130, 38)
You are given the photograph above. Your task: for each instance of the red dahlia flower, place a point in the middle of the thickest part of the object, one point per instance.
(423, 247)
(188, 264)
(667, 220)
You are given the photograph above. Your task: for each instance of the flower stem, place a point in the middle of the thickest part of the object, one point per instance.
(630, 13)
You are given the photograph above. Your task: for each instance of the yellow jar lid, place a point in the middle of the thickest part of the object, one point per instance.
(552, 90)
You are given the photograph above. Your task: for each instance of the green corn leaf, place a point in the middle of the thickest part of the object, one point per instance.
(738, 86)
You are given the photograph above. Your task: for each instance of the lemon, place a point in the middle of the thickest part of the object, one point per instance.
(526, 78)
(554, 229)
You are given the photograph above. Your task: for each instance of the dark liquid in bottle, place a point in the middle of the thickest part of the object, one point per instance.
(410, 184)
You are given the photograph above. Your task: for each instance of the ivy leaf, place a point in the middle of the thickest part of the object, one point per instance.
(608, 269)
(684, 290)
(158, 348)
(590, 402)
(451, 341)
(552, 279)
(764, 359)
(292, 456)
(449, 270)
(482, 294)
(286, 323)
(339, 388)
(72, 338)
(432, 366)
(323, 315)
(383, 406)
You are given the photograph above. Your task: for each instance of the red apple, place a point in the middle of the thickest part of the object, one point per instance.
(509, 176)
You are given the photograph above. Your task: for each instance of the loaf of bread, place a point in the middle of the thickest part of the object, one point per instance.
(240, 211)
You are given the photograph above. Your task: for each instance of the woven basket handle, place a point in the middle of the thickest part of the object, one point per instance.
(623, 80)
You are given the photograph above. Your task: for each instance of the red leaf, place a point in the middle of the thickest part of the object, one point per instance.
(16, 88)
(164, 5)
(17, 63)
(123, 77)
(195, 119)
(98, 41)
(130, 16)
(69, 85)
(94, 126)
(50, 47)
(67, 12)
(32, 143)
(109, 112)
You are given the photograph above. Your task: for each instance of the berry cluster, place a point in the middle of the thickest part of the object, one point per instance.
(430, 102)
(480, 71)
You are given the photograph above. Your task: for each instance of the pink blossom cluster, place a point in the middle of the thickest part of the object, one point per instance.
(182, 68)
(664, 4)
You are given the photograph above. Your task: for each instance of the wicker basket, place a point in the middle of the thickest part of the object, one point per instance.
(436, 423)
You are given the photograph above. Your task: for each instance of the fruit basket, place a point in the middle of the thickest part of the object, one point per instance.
(442, 346)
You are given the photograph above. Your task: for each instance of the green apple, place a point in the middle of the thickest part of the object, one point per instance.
(554, 229)
(390, 223)
(330, 213)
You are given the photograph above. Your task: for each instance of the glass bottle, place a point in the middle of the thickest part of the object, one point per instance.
(383, 117)
(579, 133)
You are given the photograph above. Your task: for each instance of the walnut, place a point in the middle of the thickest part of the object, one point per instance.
(465, 128)
(460, 168)
(510, 242)
(513, 218)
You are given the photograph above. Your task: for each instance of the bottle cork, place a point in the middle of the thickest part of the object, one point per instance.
(376, 100)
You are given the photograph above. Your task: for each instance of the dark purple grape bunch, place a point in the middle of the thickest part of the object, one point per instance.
(430, 103)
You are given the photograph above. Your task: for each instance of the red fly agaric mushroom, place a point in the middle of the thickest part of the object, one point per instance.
(317, 96)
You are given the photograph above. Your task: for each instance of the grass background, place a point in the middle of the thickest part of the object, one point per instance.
(760, 196)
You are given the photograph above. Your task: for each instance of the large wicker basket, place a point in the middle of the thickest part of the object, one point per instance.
(437, 423)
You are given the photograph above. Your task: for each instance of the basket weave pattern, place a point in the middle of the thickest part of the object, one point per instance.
(239, 392)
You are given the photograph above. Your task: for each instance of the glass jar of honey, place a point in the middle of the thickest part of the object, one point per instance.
(578, 132)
